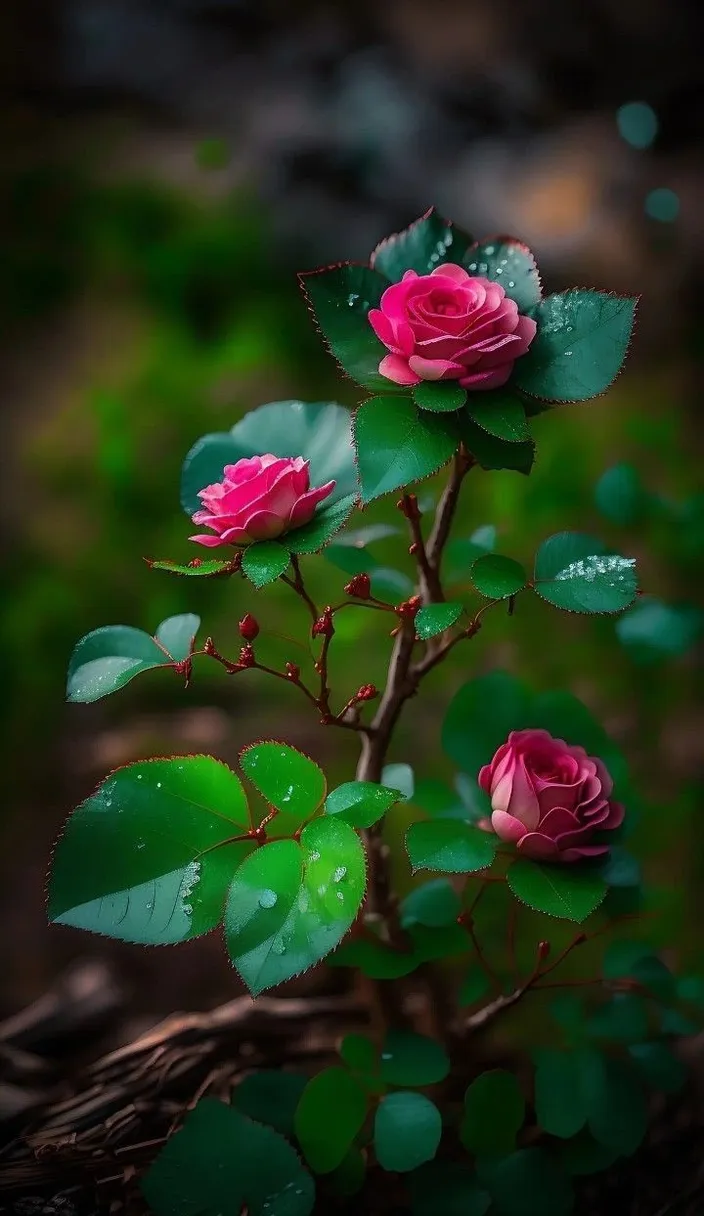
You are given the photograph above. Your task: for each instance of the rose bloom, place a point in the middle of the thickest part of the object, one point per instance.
(448, 325)
(259, 498)
(548, 797)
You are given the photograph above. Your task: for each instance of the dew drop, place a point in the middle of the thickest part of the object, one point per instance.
(314, 856)
(499, 270)
(511, 283)
(339, 895)
(158, 785)
(489, 250)
(339, 873)
(267, 898)
(141, 844)
(278, 946)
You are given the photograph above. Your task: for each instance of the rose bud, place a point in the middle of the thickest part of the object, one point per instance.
(549, 798)
(259, 498)
(249, 627)
(359, 587)
(450, 325)
(323, 627)
(367, 693)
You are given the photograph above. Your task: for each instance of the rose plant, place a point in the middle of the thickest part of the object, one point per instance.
(459, 348)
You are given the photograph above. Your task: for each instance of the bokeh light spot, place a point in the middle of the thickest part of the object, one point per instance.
(637, 123)
(662, 204)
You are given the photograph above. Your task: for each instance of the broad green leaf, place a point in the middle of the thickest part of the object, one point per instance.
(291, 902)
(494, 1110)
(498, 577)
(438, 800)
(447, 1187)
(574, 572)
(349, 1176)
(559, 1103)
(290, 782)
(476, 803)
(320, 431)
(501, 413)
(425, 244)
(617, 1108)
(449, 845)
(583, 1155)
(620, 496)
(397, 444)
(360, 803)
(460, 553)
(361, 1055)
(108, 658)
(623, 1019)
(377, 960)
(270, 1096)
(439, 396)
(580, 345)
(474, 986)
(149, 856)
(331, 1112)
(197, 568)
(491, 452)
(399, 777)
(434, 903)
(659, 1066)
(527, 1183)
(436, 618)
(652, 630)
(264, 561)
(481, 716)
(510, 264)
(220, 1163)
(412, 1059)
(340, 299)
(571, 892)
(325, 523)
(407, 1131)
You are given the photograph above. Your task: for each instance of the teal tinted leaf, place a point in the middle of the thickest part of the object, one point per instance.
(491, 452)
(412, 1059)
(623, 1019)
(397, 444)
(448, 1187)
(620, 496)
(361, 538)
(474, 986)
(375, 959)
(177, 635)
(659, 1066)
(197, 568)
(290, 903)
(485, 537)
(501, 413)
(574, 572)
(151, 832)
(438, 800)
(498, 577)
(360, 803)
(461, 552)
(509, 263)
(434, 903)
(528, 1183)
(559, 1105)
(439, 396)
(476, 802)
(340, 299)
(108, 658)
(481, 716)
(325, 523)
(436, 618)
(270, 1096)
(617, 1108)
(222, 1162)
(580, 345)
(290, 782)
(494, 1110)
(690, 988)
(331, 1112)
(320, 431)
(652, 630)
(425, 244)
(399, 777)
(570, 892)
(264, 561)
(622, 959)
(407, 1131)
(449, 845)
(390, 585)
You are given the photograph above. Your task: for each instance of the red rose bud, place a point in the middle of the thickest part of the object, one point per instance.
(543, 950)
(408, 609)
(247, 656)
(359, 587)
(367, 693)
(323, 627)
(293, 671)
(249, 627)
(209, 646)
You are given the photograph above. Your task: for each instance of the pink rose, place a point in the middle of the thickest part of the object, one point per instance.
(448, 325)
(259, 498)
(548, 797)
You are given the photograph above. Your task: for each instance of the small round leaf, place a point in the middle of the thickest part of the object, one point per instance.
(407, 1131)
(498, 577)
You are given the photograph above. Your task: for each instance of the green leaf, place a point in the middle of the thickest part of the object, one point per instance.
(434, 903)
(580, 345)
(447, 1187)
(340, 299)
(510, 264)
(407, 1131)
(623, 1019)
(198, 568)
(108, 658)
(559, 1105)
(264, 561)
(374, 959)
(571, 892)
(328, 520)
(574, 572)
(360, 803)
(290, 903)
(494, 1110)
(675, 1023)
(290, 782)
(659, 1066)
(436, 618)
(398, 445)
(149, 856)
(361, 1056)
(320, 431)
(498, 577)
(438, 801)
(427, 243)
(501, 413)
(412, 1059)
(583, 1155)
(652, 630)
(399, 777)
(349, 1176)
(449, 845)
(491, 452)
(474, 986)
(361, 538)
(620, 496)
(617, 1109)
(481, 716)
(626, 959)
(270, 1096)
(528, 1183)
(331, 1112)
(439, 396)
(222, 1162)
(461, 552)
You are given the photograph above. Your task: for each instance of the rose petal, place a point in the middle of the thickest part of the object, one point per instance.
(304, 509)
(494, 378)
(450, 270)
(396, 369)
(435, 369)
(537, 846)
(264, 525)
(587, 850)
(211, 542)
(382, 327)
(523, 802)
(558, 822)
(507, 827)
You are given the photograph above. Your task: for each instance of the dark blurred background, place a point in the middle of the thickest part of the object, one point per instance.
(167, 167)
